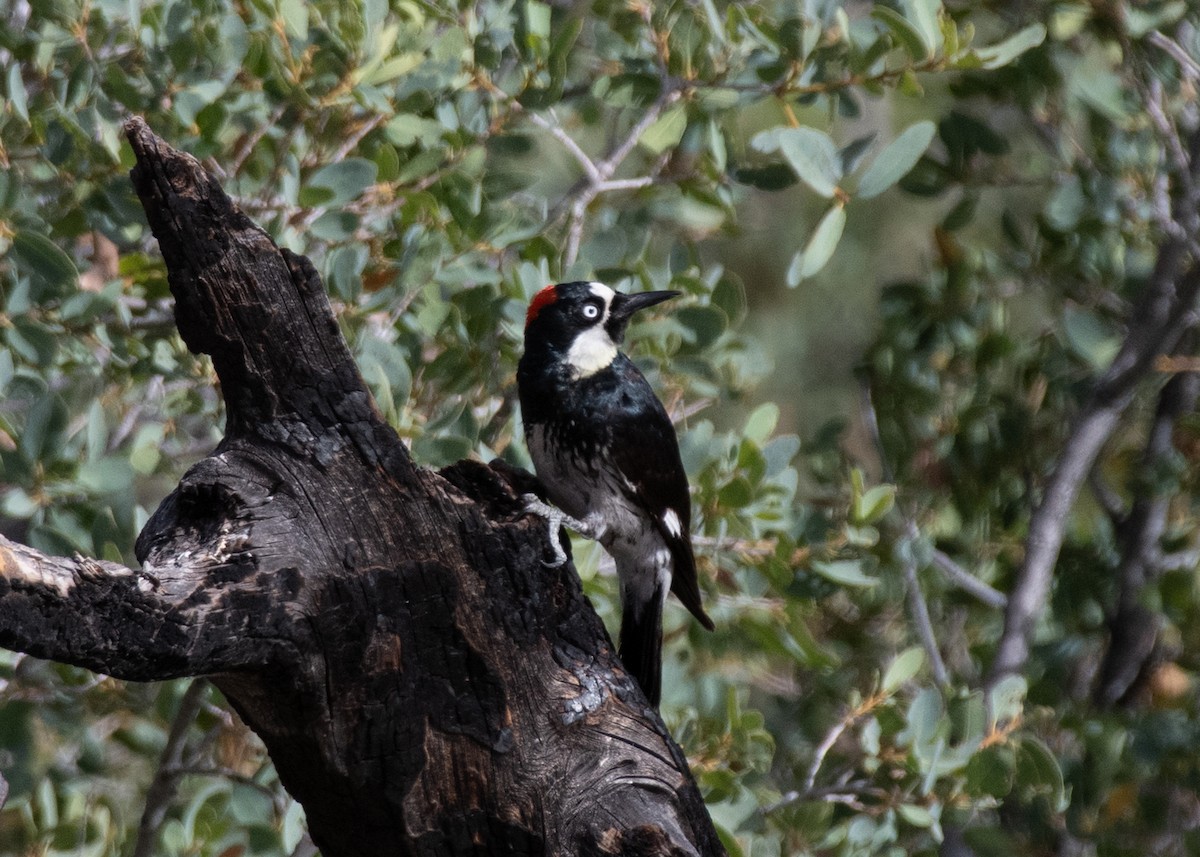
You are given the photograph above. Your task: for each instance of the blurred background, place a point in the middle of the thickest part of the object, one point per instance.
(913, 237)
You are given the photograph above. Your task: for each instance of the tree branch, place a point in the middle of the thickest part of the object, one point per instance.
(968, 582)
(166, 778)
(1167, 308)
(598, 175)
(1188, 63)
(142, 626)
(1133, 629)
(920, 610)
(391, 633)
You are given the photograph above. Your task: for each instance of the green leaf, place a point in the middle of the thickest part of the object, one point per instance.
(96, 432)
(762, 422)
(925, 720)
(874, 504)
(902, 30)
(344, 180)
(16, 504)
(1095, 82)
(33, 342)
(293, 827)
(845, 572)
(904, 667)
(108, 475)
(809, 152)
(43, 430)
(16, 92)
(917, 816)
(736, 494)
(990, 772)
(706, 323)
(852, 153)
(1090, 336)
(1006, 699)
(923, 15)
(147, 448)
(767, 177)
(295, 18)
(962, 213)
(666, 132)
(1038, 772)
(45, 260)
(819, 248)
(894, 162)
(1002, 53)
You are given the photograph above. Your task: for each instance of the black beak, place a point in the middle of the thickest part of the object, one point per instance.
(623, 306)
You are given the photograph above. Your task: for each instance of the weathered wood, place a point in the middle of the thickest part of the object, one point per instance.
(422, 681)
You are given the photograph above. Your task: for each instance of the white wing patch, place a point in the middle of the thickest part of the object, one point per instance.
(671, 523)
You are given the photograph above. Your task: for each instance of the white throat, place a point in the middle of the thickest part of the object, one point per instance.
(591, 351)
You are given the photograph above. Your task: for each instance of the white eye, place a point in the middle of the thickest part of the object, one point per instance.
(591, 311)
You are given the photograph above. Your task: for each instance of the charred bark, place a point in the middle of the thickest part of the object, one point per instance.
(422, 681)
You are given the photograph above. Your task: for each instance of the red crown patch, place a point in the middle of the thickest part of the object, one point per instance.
(540, 301)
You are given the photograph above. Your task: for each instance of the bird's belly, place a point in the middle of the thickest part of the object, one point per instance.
(597, 493)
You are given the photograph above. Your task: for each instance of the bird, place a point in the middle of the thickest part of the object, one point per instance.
(606, 453)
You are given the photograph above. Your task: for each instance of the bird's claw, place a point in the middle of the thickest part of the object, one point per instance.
(556, 518)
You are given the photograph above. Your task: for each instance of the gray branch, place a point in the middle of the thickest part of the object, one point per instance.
(166, 778)
(1166, 309)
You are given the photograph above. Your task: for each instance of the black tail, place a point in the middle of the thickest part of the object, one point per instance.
(641, 643)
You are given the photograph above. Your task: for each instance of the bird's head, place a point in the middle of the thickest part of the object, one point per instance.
(583, 323)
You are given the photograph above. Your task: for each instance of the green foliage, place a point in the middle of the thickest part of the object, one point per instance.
(441, 163)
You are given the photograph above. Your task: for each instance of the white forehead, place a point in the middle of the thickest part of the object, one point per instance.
(602, 291)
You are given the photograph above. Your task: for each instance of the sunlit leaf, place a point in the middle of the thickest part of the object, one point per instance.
(900, 156)
(344, 180)
(819, 248)
(810, 153)
(844, 572)
(904, 667)
(1002, 53)
(666, 131)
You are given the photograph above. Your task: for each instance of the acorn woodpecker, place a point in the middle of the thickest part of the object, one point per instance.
(605, 450)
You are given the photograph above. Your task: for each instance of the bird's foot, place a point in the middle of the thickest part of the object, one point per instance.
(556, 518)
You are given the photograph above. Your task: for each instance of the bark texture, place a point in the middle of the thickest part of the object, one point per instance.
(423, 682)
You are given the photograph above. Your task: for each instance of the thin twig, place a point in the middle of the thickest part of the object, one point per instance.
(225, 774)
(162, 787)
(968, 582)
(917, 606)
(848, 793)
(810, 778)
(598, 175)
(348, 145)
(625, 184)
(568, 143)
(252, 139)
(920, 611)
(1173, 49)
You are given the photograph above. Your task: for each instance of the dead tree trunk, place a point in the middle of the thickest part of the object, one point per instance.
(423, 682)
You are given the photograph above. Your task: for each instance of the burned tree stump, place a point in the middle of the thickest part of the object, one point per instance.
(423, 682)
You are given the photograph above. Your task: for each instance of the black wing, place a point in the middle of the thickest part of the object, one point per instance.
(646, 451)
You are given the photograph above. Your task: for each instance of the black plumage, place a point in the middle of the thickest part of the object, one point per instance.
(606, 451)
